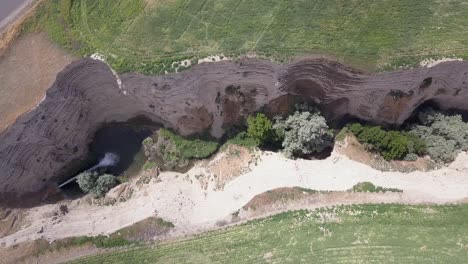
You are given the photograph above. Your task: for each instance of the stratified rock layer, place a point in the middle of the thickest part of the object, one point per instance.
(39, 148)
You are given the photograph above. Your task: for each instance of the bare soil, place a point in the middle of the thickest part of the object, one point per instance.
(27, 70)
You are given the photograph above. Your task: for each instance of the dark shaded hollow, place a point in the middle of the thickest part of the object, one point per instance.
(121, 138)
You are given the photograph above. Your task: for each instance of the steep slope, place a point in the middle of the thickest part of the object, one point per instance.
(42, 145)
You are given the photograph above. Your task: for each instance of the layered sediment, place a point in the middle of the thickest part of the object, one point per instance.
(39, 148)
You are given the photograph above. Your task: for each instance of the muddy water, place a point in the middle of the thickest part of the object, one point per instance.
(8, 6)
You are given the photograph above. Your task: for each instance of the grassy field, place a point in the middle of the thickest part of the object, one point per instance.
(148, 35)
(346, 234)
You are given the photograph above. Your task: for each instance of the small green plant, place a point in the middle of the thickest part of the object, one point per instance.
(163, 223)
(242, 139)
(149, 165)
(341, 135)
(369, 187)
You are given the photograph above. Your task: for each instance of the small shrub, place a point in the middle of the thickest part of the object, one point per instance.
(369, 187)
(87, 181)
(104, 183)
(163, 223)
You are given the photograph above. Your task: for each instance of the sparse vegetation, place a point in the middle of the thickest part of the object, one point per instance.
(149, 165)
(384, 233)
(95, 184)
(242, 139)
(369, 187)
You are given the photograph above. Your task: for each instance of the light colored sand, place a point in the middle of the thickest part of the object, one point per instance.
(180, 199)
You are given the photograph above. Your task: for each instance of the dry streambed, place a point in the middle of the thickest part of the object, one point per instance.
(194, 205)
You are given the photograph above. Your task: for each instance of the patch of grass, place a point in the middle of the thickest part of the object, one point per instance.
(190, 148)
(369, 187)
(242, 139)
(98, 241)
(149, 165)
(340, 137)
(345, 234)
(374, 35)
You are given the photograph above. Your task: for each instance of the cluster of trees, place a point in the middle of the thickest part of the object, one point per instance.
(440, 136)
(95, 184)
(302, 133)
(445, 136)
(390, 144)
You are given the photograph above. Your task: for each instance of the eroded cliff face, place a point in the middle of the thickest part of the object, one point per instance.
(38, 149)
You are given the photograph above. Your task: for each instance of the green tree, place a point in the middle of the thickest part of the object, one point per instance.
(304, 133)
(98, 186)
(260, 129)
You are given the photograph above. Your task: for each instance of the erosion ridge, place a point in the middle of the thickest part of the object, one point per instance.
(41, 146)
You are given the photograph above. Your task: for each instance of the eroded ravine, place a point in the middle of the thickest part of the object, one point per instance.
(37, 150)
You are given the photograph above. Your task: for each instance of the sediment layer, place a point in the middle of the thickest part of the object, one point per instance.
(40, 147)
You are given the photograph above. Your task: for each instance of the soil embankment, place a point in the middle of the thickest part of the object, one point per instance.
(39, 147)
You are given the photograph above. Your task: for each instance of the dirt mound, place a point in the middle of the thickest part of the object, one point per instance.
(43, 144)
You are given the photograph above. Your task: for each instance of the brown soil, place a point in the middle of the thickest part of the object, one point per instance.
(227, 165)
(354, 150)
(280, 196)
(27, 70)
(10, 221)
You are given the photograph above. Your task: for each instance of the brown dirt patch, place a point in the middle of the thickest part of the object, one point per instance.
(146, 230)
(354, 150)
(278, 196)
(27, 70)
(227, 165)
(10, 221)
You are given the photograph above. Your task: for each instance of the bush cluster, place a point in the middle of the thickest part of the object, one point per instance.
(98, 186)
(176, 150)
(370, 187)
(445, 136)
(390, 144)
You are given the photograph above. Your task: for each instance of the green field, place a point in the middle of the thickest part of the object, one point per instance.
(345, 234)
(148, 35)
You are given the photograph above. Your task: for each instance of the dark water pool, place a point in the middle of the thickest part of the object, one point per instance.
(121, 139)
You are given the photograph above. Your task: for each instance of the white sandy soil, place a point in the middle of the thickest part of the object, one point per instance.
(181, 199)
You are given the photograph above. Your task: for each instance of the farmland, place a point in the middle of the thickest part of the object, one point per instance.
(149, 35)
(351, 234)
